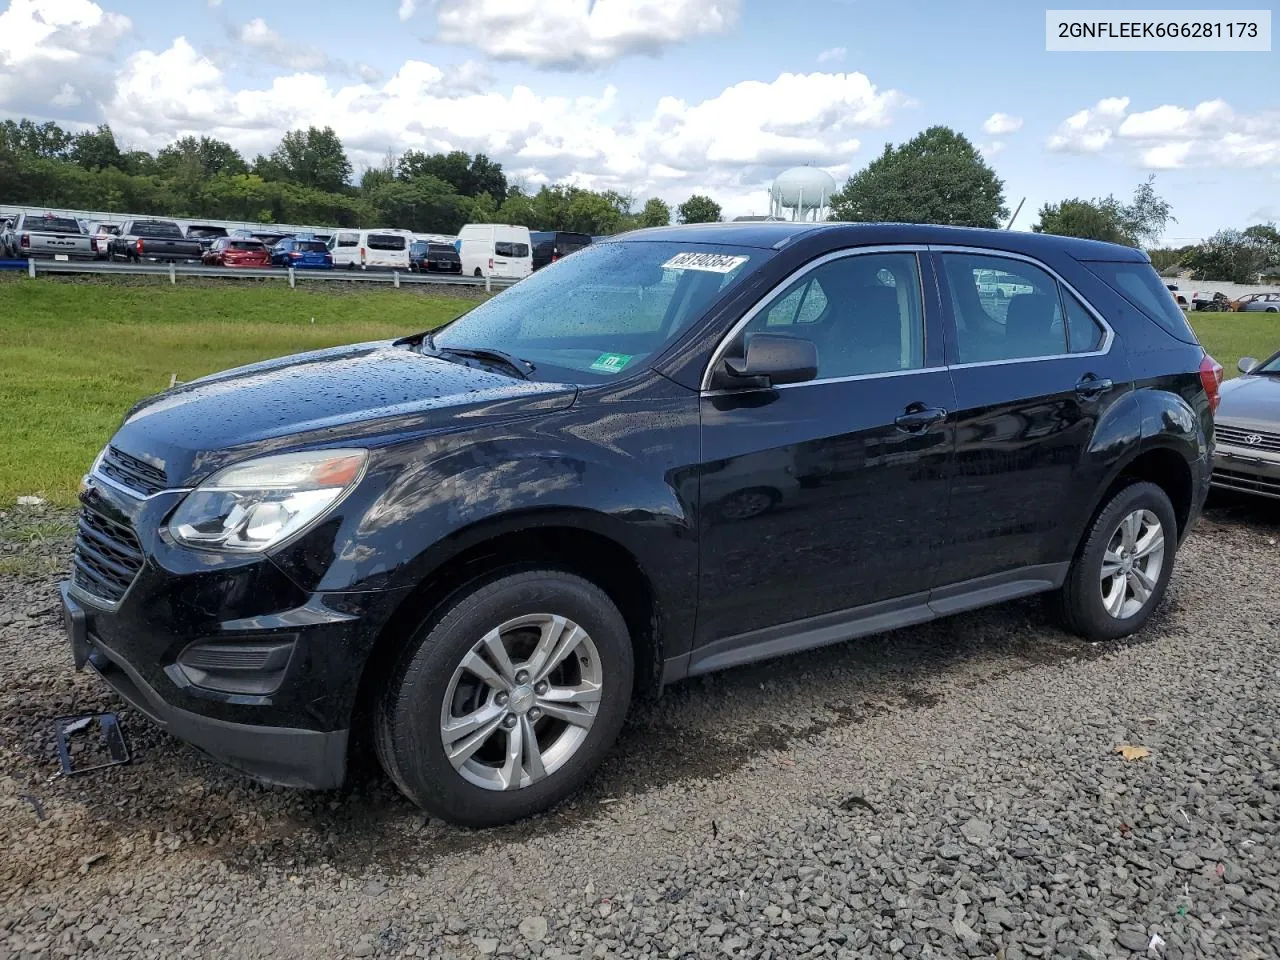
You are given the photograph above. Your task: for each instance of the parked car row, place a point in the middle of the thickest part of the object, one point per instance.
(501, 251)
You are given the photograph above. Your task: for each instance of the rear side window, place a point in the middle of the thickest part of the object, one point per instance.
(1140, 284)
(1084, 335)
(385, 241)
(1004, 309)
(504, 248)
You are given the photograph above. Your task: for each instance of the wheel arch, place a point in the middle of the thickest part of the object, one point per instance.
(1162, 464)
(560, 541)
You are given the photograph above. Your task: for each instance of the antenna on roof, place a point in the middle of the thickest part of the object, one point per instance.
(1009, 225)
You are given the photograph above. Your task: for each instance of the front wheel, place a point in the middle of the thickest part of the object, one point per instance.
(504, 705)
(1122, 569)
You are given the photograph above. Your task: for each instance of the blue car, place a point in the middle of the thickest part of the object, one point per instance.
(301, 254)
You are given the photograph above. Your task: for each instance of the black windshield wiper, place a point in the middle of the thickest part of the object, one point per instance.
(521, 368)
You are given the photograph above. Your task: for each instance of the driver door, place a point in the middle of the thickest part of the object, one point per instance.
(823, 502)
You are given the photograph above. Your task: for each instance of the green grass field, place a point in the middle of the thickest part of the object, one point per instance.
(75, 355)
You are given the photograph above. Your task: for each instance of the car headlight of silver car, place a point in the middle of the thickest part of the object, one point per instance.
(259, 504)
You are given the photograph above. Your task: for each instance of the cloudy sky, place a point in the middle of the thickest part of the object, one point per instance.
(663, 97)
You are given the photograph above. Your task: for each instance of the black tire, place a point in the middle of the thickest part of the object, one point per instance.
(1080, 601)
(407, 719)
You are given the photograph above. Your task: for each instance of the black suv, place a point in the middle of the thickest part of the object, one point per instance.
(550, 245)
(680, 450)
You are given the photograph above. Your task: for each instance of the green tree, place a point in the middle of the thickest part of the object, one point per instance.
(310, 158)
(1237, 256)
(1141, 220)
(1169, 259)
(936, 177)
(1091, 219)
(656, 213)
(470, 176)
(518, 209)
(199, 157)
(483, 209)
(96, 149)
(698, 209)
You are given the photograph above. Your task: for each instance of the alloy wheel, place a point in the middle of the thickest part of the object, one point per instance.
(1131, 564)
(522, 702)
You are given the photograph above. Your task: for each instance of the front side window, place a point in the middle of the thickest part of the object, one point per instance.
(862, 312)
(607, 309)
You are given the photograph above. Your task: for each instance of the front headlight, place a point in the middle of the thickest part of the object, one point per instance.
(255, 505)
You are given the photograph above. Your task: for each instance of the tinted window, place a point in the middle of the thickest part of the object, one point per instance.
(442, 250)
(385, 241)
(504, 248)
(862, 312)
(52, 224)
(418, 248)
(156, 228)
(245, 245)
(1003, 309)
(311, 246)
(206, 232)
(605, 310)
(1141, 286)
(1084, 335)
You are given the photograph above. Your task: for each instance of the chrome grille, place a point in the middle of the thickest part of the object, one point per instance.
(107, 556)
(1250, 439)
(131, 472)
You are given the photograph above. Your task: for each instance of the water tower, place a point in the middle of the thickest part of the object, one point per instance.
(801, 193)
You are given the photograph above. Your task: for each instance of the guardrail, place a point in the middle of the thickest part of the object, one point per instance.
(174, 271)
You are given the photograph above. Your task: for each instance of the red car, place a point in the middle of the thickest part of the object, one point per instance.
(234, 252)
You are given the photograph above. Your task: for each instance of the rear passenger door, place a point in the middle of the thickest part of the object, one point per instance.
(1034, 371)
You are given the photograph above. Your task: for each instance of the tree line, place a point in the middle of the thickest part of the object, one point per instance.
(938, 176)
(307, 178)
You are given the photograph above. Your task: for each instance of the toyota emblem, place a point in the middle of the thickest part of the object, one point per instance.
(1253, 439)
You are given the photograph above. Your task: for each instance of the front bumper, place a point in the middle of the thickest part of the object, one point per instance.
(286, 756)
(229, 653)
(1244, 470)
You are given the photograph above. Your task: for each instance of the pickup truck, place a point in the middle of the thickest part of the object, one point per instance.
(46, 236)
(152, 240)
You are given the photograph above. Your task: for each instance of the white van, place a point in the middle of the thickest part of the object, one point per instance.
(371, 249)
(495, 250)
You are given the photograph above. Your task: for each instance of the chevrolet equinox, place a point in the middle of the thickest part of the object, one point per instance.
(676, 451)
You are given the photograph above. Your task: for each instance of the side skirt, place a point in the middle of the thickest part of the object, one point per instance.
(841, 625)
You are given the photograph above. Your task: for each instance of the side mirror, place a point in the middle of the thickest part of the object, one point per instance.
(772, 359)
(1246, 364)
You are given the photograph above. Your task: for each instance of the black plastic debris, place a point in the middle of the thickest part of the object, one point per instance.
(95, 739)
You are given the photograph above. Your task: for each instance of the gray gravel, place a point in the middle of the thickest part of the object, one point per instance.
(949, 790)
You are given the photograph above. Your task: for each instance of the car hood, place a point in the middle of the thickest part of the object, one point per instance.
(359, 394)
(1251, 401)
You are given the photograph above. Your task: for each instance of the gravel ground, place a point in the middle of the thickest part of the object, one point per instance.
(948, 790)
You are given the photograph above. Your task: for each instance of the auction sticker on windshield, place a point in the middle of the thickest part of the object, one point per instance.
(611, 362)
(713, 262)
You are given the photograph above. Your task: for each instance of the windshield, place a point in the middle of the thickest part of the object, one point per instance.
(606, 310)
(1268, 366)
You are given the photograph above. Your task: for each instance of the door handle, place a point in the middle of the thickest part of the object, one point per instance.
(1090, 386)
(919, 418)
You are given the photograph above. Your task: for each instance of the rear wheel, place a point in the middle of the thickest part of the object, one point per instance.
(478, 273)
(504, 705)
(1122, 569)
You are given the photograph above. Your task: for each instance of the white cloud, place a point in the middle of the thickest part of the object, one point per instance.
(54, 52)
(407, 8)
(270, 46)
(833, 55)
(1210, 134)
(729, 146)
(989, 150)
(1001, 124)
(579, 34)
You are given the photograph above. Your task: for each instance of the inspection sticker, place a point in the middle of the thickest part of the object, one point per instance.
(713, 262)
(611, 362)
